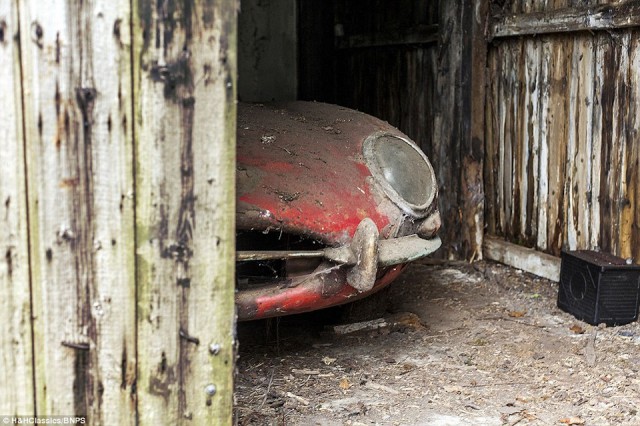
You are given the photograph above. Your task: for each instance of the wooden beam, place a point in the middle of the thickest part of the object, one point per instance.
(423, 34)
(591, 18)
(529, 260)
(447, 134)
(473, 81)
(459, 122)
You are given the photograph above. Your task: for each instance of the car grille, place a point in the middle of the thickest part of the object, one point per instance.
(254, 273)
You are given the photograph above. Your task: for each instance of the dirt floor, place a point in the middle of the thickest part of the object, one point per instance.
(460, 344)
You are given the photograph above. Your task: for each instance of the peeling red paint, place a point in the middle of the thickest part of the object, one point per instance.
(301, 171)
(306, 297)
(326, 189)
(273, 166)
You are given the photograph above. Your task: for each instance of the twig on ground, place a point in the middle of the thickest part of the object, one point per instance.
(516, 422)
(305, 372)
(381, 387)
(300, 399)
(266, 394)
(512, 320)
(495, 384)
(590, 349)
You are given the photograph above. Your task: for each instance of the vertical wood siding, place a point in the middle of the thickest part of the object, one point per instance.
(16, 375)
(117, 190)
(185, 89)
(394, 82)
(562, 143)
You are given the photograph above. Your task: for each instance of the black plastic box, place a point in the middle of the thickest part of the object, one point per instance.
(598, 287)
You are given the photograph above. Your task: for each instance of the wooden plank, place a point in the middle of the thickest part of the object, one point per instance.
(633, 170)
(185, 85)
(531, 136)
(595, 241)
(492, 160)
(534, 126)
(267, 34)
(531, 128)
(543, 173)
(316, 74)
(419, 88)
(76, 67)
(612, 139)
(580, 161)
(571, 206)
(504, 145)
(582, 198)
(571, 19)
(447, 128)
(16, 361)
(420, 34)
(509, 135)
(562, 52)
(624, 214)
(523, 258)
(461, 153)
(520, 144)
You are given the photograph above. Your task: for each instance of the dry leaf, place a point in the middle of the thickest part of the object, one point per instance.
(517, 314)
(345, 383)
(572, 421)
(577, 329)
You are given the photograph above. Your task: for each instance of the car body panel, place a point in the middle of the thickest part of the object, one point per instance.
(316, 292)
(301, 169)
(301, 172)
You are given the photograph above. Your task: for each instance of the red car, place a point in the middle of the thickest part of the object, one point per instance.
(331, 205)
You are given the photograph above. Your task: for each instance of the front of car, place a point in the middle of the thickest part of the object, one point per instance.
(331, 204)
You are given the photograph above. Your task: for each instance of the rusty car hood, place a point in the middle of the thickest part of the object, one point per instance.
(300, 169)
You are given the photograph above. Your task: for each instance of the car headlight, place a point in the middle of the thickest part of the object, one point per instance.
(403, 171)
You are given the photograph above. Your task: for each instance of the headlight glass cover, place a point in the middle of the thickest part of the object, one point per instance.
(403, 171)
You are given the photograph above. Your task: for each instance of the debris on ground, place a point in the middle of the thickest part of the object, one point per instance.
(462, 344)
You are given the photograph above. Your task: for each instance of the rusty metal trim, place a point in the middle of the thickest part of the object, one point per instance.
(405, 249)
(362, 276)
(320, 290)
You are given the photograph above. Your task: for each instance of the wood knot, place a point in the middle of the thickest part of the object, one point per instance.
(3, 30)
(37, 32)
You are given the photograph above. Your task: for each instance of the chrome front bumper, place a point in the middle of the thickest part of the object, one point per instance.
(364, 255)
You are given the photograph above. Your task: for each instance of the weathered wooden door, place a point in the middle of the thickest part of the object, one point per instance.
(117, 139)
(563, 153)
